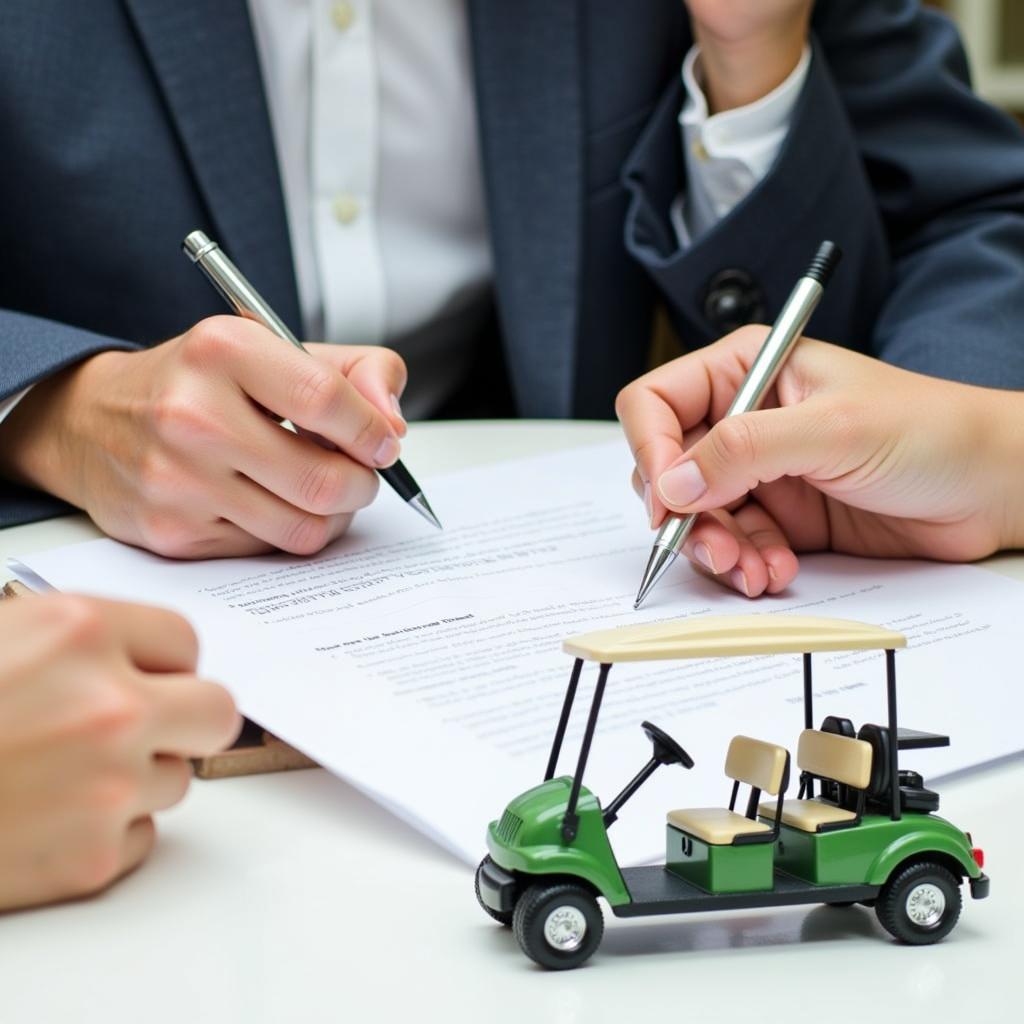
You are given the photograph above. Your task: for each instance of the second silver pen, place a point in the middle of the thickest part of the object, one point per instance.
(785, 333)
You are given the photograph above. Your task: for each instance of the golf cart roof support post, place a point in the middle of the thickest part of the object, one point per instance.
(571, 821)
(894, 768)
(808, 715)
(563, 720)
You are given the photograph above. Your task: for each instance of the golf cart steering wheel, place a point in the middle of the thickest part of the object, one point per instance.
(666, 750)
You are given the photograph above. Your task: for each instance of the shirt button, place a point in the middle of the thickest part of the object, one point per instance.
(342, 14)
(346, 208)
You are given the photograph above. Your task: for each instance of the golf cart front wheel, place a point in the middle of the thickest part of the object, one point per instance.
(558, 925)
(920, 904)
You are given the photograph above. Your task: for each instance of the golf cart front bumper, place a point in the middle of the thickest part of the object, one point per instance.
(979, 887)
(497, 888)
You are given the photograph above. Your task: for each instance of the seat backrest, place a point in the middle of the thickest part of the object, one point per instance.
(758, 764)
(831, 756)
(877, 736)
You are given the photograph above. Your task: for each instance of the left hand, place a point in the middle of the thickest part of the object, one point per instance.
(748, 47)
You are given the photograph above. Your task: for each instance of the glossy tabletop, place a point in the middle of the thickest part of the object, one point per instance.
(293, 898)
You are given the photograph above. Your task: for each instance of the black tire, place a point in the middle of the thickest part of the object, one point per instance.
(935, 893)
(535, 920)
(501, 916)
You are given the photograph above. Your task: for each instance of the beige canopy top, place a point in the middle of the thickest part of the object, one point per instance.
(712, 636)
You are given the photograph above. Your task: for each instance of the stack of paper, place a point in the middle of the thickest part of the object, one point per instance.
(427, 668)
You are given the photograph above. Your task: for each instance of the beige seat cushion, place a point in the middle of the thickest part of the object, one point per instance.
(807, 815)
(715, 825)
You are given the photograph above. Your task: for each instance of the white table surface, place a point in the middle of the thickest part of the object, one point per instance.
(293, 898)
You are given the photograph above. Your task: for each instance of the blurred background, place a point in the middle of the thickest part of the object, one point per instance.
(993, 32)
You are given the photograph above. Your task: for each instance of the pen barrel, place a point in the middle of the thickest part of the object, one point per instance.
(785, 333)
(674, 532)
(233, 286)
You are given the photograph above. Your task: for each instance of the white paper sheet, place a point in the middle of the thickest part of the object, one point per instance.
(426, 668)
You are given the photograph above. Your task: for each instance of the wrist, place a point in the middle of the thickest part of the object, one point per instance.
(40, 439)
(737, 72)
(1006, 463)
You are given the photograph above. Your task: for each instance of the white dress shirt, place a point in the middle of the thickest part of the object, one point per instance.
(373, 113)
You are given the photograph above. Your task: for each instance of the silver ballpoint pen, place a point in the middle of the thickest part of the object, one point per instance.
(785, 333)
(247, 302)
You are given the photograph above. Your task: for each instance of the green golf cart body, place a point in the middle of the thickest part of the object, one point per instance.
(871, 837)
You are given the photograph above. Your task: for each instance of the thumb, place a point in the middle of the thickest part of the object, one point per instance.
(740, 452)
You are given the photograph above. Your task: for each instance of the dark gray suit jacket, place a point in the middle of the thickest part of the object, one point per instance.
(124, 124)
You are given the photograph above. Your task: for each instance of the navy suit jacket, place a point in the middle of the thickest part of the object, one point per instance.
(125, 124)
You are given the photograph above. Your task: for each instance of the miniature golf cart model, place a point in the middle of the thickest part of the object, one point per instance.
(860, 829)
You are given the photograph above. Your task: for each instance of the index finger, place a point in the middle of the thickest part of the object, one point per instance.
(192, 717)
(154, 639)
(312, 394)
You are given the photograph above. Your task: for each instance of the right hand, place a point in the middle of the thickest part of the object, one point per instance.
(99, 711)
(857, 456)
(171, 448)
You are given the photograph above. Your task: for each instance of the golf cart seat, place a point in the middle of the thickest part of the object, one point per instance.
(762, 766)
(833, 758)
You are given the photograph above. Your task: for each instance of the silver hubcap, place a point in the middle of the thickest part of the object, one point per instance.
(926, 903)
(565, 928)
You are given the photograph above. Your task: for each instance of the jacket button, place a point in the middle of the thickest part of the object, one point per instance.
(733, 298)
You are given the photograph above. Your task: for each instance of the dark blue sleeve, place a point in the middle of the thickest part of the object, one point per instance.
(890, 154)
(32, 348)
(947, 173)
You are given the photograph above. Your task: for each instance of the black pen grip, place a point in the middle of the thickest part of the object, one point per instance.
(401, 481)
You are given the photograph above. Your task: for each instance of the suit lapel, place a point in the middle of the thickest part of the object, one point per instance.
(528, 78)
(204, 58)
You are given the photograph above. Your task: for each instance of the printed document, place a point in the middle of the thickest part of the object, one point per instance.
(426, 668)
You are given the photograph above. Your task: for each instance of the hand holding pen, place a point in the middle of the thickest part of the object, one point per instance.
(170, 448)
(658, 408)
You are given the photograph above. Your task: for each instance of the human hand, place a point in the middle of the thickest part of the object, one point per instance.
(858, 457)
(748, 47)
(99, 711)
(171, 448)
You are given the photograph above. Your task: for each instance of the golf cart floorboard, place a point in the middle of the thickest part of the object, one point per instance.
(656, 890)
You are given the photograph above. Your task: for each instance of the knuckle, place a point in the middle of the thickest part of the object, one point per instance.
(181, 421)
(369, 433)
(113, 797)
(734, 440)
(115, 713)
(306, 534)
(209, 341)
(166, 533)
(80, 622)
(317, 391)
(322, 486)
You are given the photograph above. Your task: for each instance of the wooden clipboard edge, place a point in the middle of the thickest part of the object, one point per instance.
(255, 752)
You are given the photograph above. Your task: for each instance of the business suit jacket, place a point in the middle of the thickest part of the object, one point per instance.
(124, 124)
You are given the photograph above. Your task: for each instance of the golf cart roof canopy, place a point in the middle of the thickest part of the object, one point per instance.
(712, 636)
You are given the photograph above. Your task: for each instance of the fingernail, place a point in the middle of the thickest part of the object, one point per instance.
(387, 452)
(738, 578)
(648, 503)
(702, 553)
(772, 574)
(396, 405)
(682, 485)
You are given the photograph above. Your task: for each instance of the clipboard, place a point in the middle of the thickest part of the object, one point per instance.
(255, 752)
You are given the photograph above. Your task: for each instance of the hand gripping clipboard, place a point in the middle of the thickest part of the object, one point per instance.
(255, 752)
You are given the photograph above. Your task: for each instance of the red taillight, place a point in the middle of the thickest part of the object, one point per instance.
(979, 856)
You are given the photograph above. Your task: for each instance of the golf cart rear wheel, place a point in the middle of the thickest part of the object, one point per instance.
(501, 916)
(558, 925)
(920, 903)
